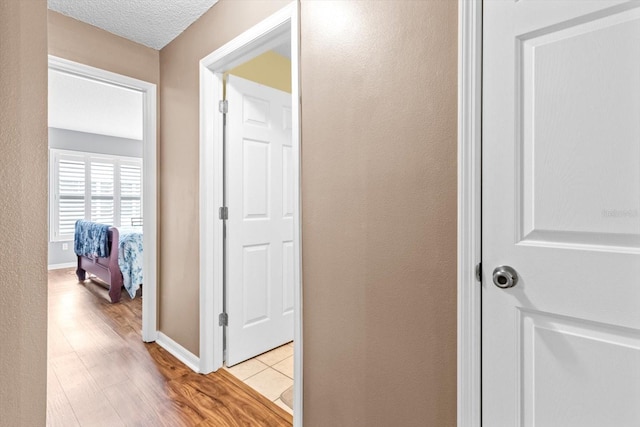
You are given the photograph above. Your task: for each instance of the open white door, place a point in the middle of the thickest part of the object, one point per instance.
(561, 203)
(259, 245)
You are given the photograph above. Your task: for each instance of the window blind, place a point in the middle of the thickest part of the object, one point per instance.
(130, 192)
(105, 189)
(71, 194)
(102, 192)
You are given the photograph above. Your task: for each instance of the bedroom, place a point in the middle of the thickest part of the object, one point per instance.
(96, 174)
(98, 139)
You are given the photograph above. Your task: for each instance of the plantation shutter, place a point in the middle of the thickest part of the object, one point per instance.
(102, 191)
(130, 192)
(71, 194)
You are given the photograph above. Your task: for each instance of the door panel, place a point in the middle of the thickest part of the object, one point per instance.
(259, 245)
(572, 157)
(287, 182)
(570, 367)
(561, 203)
(287, 277)
(256, 177)
(255, 283)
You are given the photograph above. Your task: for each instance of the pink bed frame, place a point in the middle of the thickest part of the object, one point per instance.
(106, 269)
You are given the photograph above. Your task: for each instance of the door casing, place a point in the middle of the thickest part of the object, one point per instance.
(278, 28)
(469, 211)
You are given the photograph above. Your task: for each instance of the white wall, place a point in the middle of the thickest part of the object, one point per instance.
(85, 105)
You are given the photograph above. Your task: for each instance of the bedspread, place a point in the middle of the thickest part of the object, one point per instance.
(130, 260)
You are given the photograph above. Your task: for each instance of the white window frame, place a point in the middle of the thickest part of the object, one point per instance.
(54, 158)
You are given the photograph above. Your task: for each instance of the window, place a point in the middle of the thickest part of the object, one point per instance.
(96, 187)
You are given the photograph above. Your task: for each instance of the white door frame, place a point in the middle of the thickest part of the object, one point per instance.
(149, 177)
(273, 31)
(469, 211)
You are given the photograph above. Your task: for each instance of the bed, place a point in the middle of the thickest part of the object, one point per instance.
(114, 256)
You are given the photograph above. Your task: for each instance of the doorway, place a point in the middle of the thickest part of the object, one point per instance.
(121, 169)
(258, 220)
(280, 29)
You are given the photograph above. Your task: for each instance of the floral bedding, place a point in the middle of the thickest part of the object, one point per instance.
(130, 259)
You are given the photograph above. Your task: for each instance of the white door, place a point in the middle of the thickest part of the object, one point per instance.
(561, 203)
(259, 231)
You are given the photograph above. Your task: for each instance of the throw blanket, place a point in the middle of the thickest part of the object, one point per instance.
(91, 239)
(130, 260)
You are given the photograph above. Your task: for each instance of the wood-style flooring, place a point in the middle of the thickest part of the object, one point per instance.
(102, 374)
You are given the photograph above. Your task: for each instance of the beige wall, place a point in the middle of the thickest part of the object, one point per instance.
(379, 212)
(86, 44)
(23, 212)
(380, 277)
(179, 145)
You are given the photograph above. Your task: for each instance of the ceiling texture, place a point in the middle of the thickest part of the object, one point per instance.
(153, 23)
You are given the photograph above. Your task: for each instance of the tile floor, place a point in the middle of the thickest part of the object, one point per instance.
(269, 374)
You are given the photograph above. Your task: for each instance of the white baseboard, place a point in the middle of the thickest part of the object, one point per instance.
(178, 351)
(63, 265)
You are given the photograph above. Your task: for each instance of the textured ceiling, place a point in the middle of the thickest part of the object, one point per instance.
(153, 23)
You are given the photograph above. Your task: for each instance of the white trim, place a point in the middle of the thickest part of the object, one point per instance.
(150, 221)
(296, 128)
(61, 266)
(149, 168)
(281, 26)
(97, 155)
(469, 211)
(178, 351)
(211, 182)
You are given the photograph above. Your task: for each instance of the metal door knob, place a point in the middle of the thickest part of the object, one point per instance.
(505, 277)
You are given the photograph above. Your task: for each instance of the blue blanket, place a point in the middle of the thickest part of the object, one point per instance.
(91, 239)
(130, 260)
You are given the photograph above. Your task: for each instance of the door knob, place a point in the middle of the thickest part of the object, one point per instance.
(505, 277)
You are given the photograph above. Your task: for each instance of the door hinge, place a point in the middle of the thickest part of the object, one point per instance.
(223, 106)
(223, 213)
(479, 272)
(223, 319)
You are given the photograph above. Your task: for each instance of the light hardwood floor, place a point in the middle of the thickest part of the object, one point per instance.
(101, 373)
